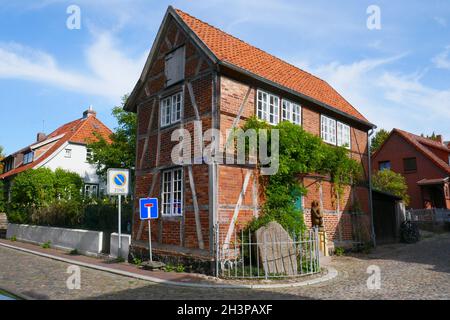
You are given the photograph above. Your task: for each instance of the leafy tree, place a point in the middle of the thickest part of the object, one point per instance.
(33, 188)
(433, 136)
(2, 156)
(119, 152)
(378, 140)
(391, 182)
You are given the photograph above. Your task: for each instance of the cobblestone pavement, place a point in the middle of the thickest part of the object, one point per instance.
(418, 271)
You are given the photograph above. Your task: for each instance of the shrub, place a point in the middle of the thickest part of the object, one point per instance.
(391, 182)
(64, 213)
(46, 245)
(339, 251)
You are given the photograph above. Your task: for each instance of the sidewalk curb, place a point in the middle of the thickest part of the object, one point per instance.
(331, 273)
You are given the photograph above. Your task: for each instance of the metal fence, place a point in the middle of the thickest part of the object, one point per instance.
(428, 215)
(257, 255)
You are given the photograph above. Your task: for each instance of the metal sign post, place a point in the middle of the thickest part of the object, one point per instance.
(148, 210)
(117, 185)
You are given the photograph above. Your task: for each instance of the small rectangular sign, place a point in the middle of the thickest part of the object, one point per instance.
(148, 208)
(118, 182)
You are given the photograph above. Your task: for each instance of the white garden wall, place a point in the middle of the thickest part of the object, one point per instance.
(114, 245)
(85, 241)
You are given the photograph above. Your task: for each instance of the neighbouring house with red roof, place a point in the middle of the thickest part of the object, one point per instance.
(424, 163)
(65, 148)
(196, 72)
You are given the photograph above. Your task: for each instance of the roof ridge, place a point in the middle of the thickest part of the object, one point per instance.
(270, 54)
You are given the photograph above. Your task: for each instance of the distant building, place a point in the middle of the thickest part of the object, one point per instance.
(65, 148)
(423, 162)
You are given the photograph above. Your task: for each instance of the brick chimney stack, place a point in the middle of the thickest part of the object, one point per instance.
(41, 137)
(89, 112)
(439, 138)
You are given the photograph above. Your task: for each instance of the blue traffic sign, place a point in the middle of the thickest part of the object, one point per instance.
(148, 208)
(119, 179)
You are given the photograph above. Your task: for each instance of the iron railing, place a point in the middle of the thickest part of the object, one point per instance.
(249, 255)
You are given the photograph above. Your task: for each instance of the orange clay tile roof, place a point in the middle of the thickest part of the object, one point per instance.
(77, 131)
(420, 144)
(243, 55)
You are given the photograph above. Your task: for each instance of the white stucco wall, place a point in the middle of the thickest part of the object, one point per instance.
(85, 241)
(76, 163)
(114, 245)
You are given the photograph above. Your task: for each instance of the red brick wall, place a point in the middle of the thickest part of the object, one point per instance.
(395, 150)
(337, 222)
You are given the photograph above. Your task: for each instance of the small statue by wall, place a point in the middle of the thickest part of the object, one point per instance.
(316, 215)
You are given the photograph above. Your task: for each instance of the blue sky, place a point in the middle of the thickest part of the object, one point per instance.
(398, 76)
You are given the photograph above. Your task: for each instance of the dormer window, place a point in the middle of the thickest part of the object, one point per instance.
(174, 68)
(9, 164)
(28, 157)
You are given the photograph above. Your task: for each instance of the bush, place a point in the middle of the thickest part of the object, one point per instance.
(391, 182)
(64, 213)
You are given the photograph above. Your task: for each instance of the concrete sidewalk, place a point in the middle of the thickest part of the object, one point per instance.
(161, 277)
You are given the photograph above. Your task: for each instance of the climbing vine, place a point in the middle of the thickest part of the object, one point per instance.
(300, 153)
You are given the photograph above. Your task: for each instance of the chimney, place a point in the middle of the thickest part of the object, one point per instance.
(439, 138)
(89, 112)
(41, 136)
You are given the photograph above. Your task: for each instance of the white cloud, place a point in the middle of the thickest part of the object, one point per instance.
(111, 74)
(390, 99)
(442, 60)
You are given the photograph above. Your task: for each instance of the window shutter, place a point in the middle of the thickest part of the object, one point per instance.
(174, 69)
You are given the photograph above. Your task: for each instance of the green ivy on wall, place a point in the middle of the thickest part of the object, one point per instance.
(300, 153)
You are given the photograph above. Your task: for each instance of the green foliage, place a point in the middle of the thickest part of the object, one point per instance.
(378, 139)
(300, 152)
(13, 238)
(339, 251)
(46, 245)
(433, 136)
(2, 156)
(74, 252)
(137, 261)
(2, 196)
(169, 267)
(391, 182)
(120, 151)
(180, 268)
(46, 197)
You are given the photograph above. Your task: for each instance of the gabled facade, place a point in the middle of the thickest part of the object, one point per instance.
(196, 72)
(424, 163)
(63, 148)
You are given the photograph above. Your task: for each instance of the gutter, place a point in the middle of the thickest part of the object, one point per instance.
(370, 185)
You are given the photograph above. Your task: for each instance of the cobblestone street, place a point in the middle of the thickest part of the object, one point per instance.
(418, 271)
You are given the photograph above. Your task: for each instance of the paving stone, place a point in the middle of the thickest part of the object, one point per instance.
(414, 271)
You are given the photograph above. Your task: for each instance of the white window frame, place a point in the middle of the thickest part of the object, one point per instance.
(90, 193)
(328, 129)
(171, 109)
(343, 135)
(172, 192)
(292, 112)
(268, 107)
(67, 153)
(28, 157)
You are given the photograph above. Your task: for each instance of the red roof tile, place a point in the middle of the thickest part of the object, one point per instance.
(245, 56)
(77, 131)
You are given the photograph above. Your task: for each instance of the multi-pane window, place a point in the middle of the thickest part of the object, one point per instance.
(291, 112)
(68, 153)
(335, 132)
(328, 128)
(91, 190)
(171, 109)
(172, 192)
(268, 107)
(410, 164)
(343, 135)
(28, 157)
(384, 165)
(9, 165)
